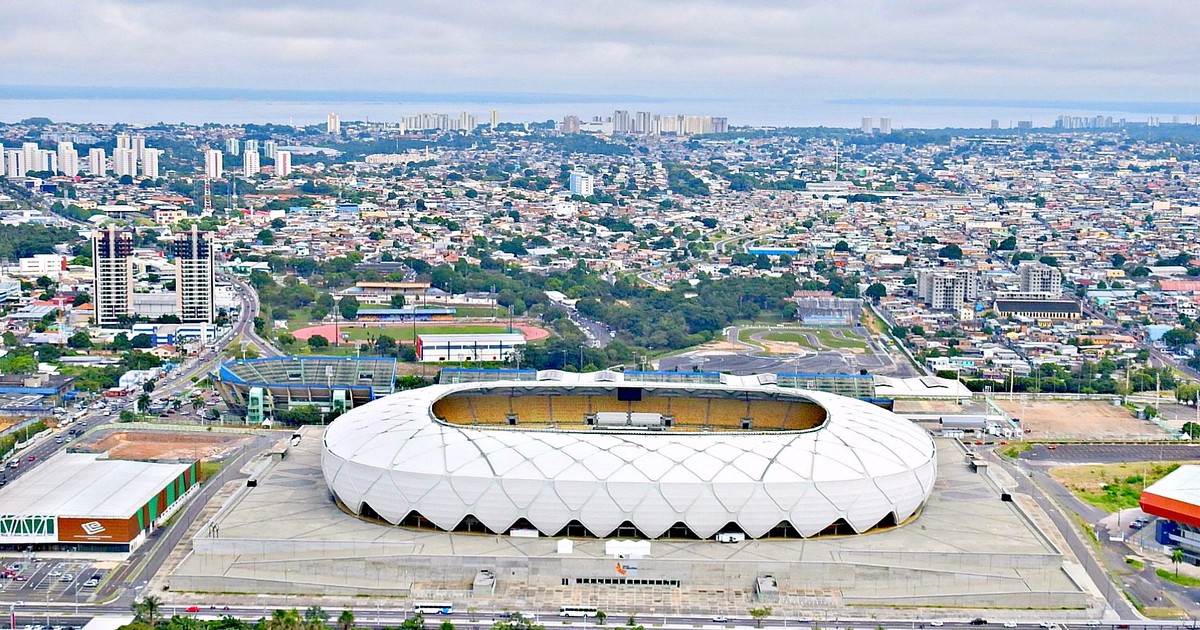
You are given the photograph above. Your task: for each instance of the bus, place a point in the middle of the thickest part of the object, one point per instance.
(577, 611)
(433, 608)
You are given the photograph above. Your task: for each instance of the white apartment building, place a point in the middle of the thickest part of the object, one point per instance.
(283, 163)
(150, 162)
(1041, 279)
(195, 287)
(333, 124)
(233, 146)
(124, 162)
(68, 159)
(582, 184)
(250, 165)
(213, 164)
(112, 262)
(97, 162)
(947, 289)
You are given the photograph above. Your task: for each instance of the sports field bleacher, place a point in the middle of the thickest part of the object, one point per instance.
(571, 411)
(306, 380)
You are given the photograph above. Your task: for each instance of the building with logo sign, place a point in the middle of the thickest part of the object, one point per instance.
(84, 500)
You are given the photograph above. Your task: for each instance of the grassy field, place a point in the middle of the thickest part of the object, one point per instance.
(1112, 487)
(1182, 580)
(799, 339)
(208, 469)
(826, 339)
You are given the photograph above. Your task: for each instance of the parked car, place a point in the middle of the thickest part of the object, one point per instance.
(979, 621)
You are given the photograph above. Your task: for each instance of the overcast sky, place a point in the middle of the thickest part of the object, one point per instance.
(1135, 50)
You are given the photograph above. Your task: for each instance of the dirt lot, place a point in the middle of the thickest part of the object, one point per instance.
(166, 445)
(1080, 420)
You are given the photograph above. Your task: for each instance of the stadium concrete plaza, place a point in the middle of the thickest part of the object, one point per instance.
(966, 549)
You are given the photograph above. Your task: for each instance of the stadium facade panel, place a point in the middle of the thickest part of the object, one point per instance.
(856, 468)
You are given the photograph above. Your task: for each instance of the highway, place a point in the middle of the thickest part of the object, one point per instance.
(377, 617)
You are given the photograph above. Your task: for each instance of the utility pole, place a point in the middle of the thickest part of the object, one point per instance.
(207, 194)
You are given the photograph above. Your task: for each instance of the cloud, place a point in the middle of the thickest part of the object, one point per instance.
(671, 48)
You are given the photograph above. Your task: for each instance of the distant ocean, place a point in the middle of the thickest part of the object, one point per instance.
(252, 106)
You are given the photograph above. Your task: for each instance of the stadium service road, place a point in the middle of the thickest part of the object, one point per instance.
(1109, 453)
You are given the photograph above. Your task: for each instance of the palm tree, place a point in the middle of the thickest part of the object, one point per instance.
(284, 620)
(315, 617)
(143, 402)
(147, 609)
(197, 403)
(601, 616)
(345, 620)
(1177, 559)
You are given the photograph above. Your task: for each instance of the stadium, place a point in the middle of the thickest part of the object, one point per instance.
(257, 388)
(608, 454)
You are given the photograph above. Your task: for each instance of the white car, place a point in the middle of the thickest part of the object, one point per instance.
(720, 619)
(1010, 624)
(937, 623)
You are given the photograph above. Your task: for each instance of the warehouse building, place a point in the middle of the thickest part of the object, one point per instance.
(1176, 500)
(482, 347)
(84, 500)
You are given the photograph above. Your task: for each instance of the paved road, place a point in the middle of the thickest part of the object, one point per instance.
(1043, 455)
(1079, 547)
(390, 617)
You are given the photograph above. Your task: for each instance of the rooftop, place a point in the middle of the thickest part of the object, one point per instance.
(87, 485)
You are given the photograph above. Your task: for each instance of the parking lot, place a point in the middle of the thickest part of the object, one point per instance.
(48, 578)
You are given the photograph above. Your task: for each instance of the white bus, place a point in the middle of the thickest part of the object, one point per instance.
(577, 611)
(433, 608)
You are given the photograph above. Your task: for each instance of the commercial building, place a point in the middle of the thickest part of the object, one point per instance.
(195, 279)
(1047, 309)
(1176, 499)
(112, 262)
(487, 347)
(84, 500)
(51, 265)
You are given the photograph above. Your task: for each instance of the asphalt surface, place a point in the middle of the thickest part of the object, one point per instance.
(1081, 549)
(1109, 453)
(32, 613)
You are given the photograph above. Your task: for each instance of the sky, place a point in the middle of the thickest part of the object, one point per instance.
(1097, 50)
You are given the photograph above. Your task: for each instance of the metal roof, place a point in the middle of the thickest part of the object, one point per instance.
(87, 485)
(1176, 496)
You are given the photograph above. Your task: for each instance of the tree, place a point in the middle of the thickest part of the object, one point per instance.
(147, 610)
(385, 345)
(278, 224)
(127, 416)
(80, 299)
(876, 291)
(1191, 429)
(1177, 558)
(318, 341)
(80, 341)
(951, 252)
(120, 342)
(601, 616)
(266, 237)
(1008, 244)
(1118, 261)
(348, 307)
(143, 402)
(1178, 338)
(760, 613)
(315, 616)
(841, 246)
(408, 353)
(345, 620)
(398, 300)
(142, 341)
